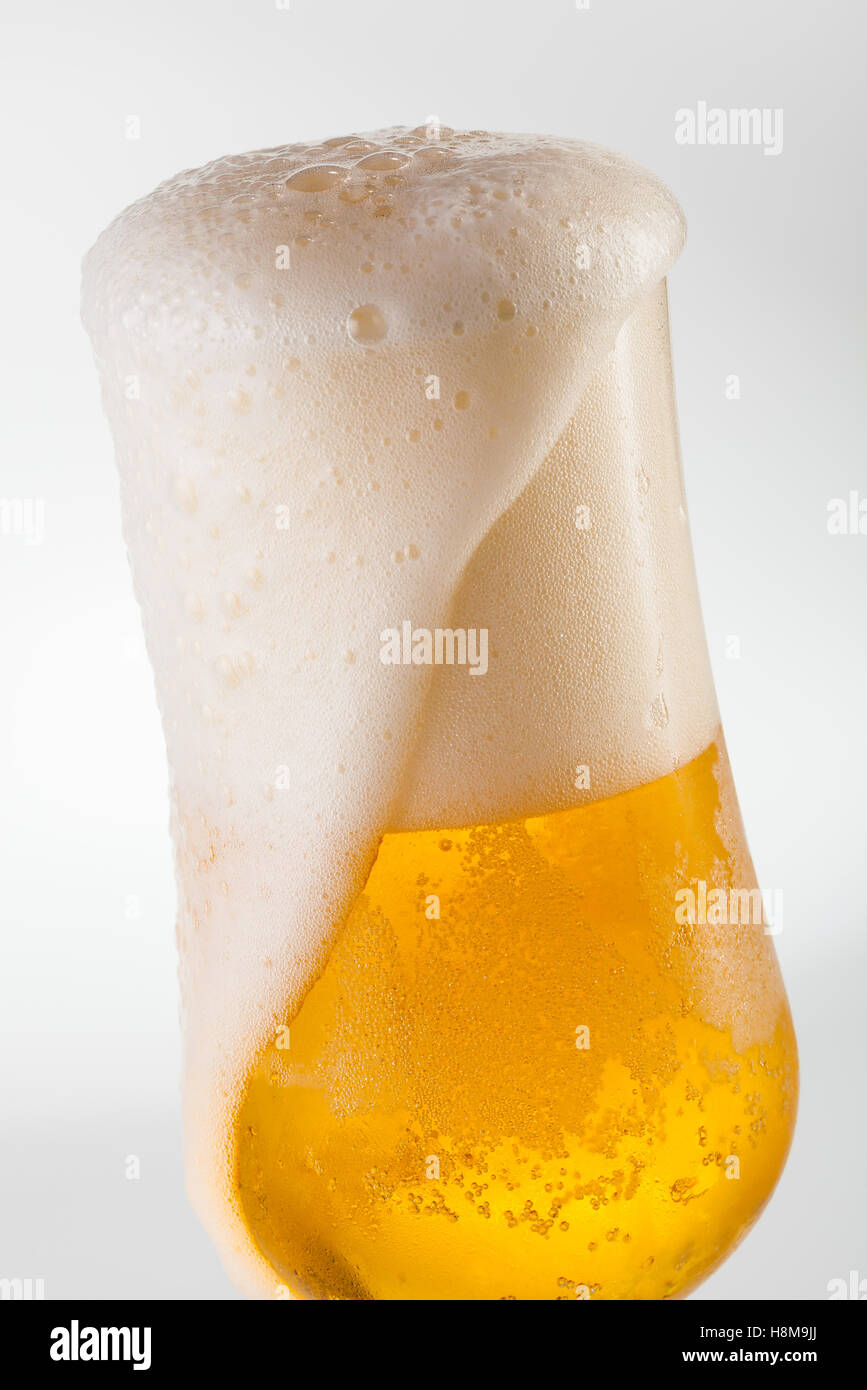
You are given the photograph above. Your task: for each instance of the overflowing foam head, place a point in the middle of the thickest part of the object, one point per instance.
(372, 399)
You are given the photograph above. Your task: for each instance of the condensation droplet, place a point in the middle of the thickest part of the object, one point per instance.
(462, 400)
(506, 311)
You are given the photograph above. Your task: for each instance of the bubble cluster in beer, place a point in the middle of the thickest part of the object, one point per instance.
(359, 383)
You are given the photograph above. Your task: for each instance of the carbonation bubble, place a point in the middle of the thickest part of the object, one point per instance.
(366, 324)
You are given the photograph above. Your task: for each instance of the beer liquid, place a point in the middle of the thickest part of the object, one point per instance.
(519, 1076)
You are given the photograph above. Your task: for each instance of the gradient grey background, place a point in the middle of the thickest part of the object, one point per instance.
(770, 288)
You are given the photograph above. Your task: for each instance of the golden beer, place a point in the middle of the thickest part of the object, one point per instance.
(518, 1076)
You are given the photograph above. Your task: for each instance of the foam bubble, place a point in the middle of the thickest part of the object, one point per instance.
(367, 324)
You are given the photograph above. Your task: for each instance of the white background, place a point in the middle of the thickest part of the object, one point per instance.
(770, 288)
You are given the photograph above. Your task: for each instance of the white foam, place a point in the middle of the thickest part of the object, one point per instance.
(271, 342)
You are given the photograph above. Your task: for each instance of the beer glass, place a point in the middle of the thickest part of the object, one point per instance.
(480, 993)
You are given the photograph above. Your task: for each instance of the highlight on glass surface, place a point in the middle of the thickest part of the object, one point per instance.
(480, 1001)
